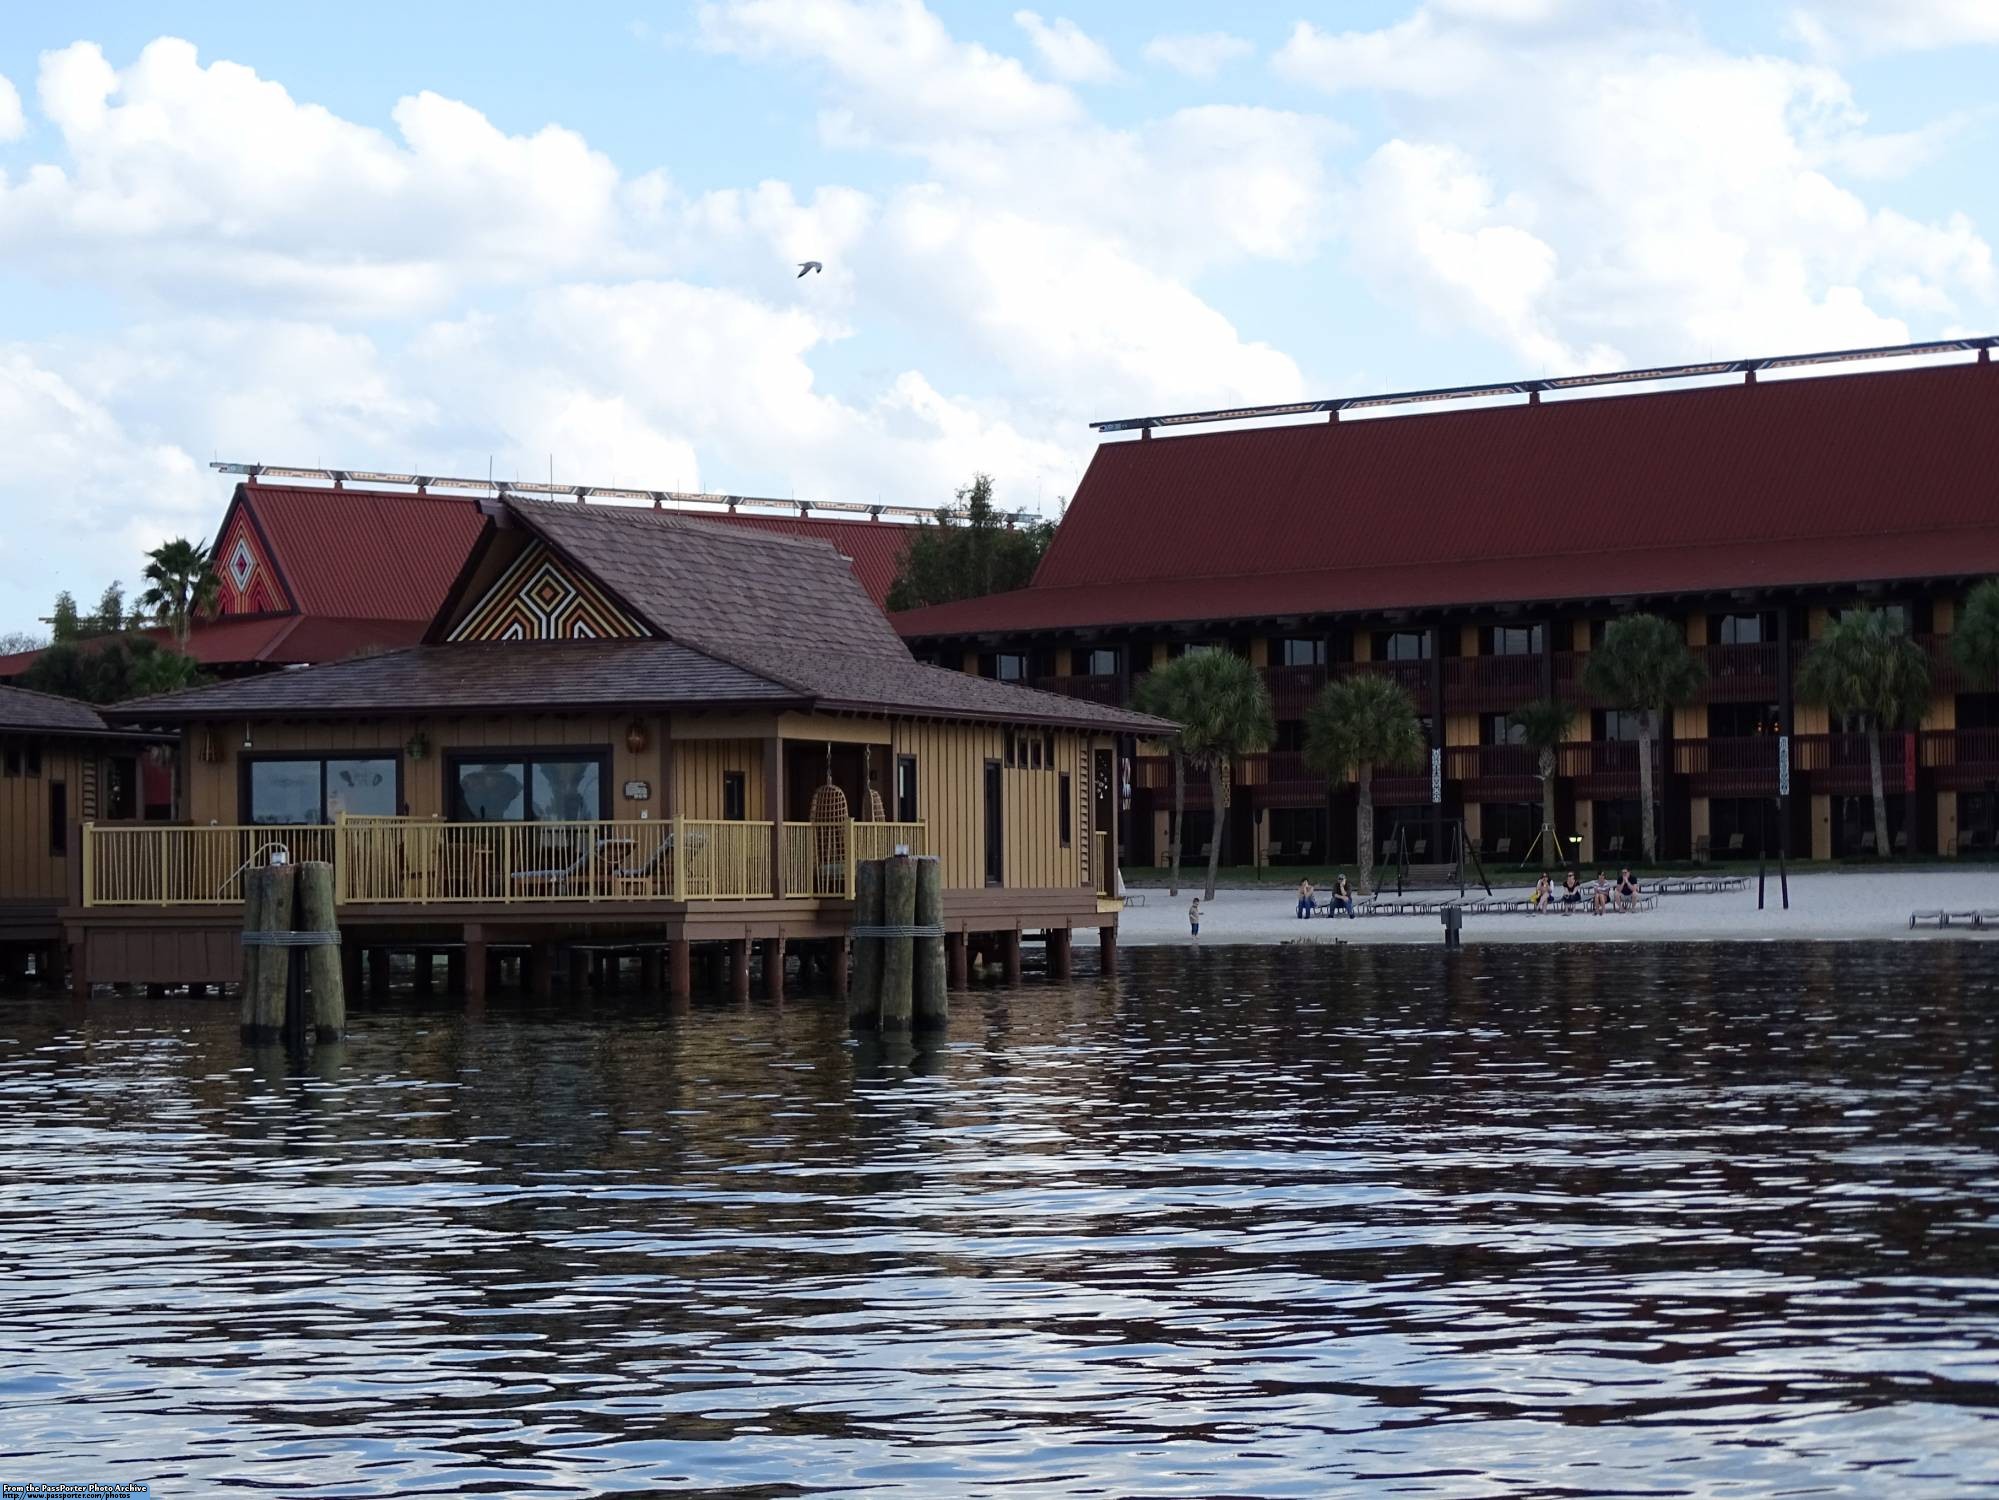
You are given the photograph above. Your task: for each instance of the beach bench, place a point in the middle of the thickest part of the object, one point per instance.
(1976, 920)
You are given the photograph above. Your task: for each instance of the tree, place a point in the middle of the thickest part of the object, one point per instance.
(110, 616)
(111, 670)
(1544, 725)
(1975, 642)
(64, 625)
(969, 555)
(1644, 665)
(181, 583)
(1224, 712)
(16, 641)
(1162, 692)
(1361, 723)
(1867, 671)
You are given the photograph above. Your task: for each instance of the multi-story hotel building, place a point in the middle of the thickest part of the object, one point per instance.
(1475, 548)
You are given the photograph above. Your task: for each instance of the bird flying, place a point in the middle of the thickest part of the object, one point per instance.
(805, 266)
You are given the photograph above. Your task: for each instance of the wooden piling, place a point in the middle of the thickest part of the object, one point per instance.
(1107, 950)
(324, 971)
(864, 995)
(739, 969)
(1010, 954)
(256, 905)
(275, 886)
(933, 1007)
(836, 968)
(773, 955)
(898, 985)
(958, 960)
(477, 971)
(1058, 954)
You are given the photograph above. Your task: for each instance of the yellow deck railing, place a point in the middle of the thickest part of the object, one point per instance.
(424, 861)
(175, 865)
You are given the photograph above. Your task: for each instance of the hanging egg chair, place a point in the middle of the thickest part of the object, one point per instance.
(829, 829)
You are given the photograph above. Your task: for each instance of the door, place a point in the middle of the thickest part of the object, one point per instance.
(995, 825)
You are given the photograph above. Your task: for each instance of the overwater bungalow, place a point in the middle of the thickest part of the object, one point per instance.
(60, 763)
(623, 728)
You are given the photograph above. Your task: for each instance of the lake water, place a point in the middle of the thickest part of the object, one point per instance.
(1517, 1221)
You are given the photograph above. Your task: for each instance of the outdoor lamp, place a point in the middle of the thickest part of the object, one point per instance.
(635, 737)
(418, 746)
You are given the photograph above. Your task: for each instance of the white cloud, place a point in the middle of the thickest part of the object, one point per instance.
(13, 123)
(1067, 51)
(1199, 54)
(1896, 25)
(1592, 194)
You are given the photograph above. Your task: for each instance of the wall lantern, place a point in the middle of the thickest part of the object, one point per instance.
(418, 746)
(211, 748)
(635, 737)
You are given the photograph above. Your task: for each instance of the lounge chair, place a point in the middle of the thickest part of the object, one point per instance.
(1867, 842)
(1502, 848)
(1735, 842)
(563, 875)
(1615, 848)
(1275, 852)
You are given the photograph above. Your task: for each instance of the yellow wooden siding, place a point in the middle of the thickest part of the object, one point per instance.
(1690, 722)
(1460, 729)
(1696, 630)
(28, 871)
(698, 769)
(1943, 616)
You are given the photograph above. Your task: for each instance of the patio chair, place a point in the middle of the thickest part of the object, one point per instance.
(1703, 850)
(1614, 849)
(1502, 848)
(1867, 842)
(1735, 843)
(1972, 843)
(1902, 841)
(649, 873)
(559, 876)
(1276, 852)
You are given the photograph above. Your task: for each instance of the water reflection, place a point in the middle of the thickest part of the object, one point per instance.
(1702, 1220)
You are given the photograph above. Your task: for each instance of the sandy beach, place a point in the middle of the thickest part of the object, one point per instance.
(1824, 907)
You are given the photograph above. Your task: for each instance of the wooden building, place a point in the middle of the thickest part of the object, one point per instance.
(1475, 556)
(623, 726)
(60, 764)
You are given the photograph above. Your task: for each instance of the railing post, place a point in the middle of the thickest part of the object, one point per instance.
(679, 859)
(165, 860)
(850, 859)
(89, 864)
(506, 862)
(340, 856)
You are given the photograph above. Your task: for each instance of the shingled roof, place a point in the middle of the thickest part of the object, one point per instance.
(21, 709)
(744, 618)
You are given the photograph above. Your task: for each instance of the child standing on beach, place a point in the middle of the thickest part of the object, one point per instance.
(1194, 917)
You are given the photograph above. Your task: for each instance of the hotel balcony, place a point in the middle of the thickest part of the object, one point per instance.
(1961, 760)
(1292, 689)
(1106, 688)
(1741, 674)
(1490, 684)
(1494, 773)
(1414, 676)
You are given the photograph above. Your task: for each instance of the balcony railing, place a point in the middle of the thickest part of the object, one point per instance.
(1569, 679)
(1106, 688)
(1943, 664)
(1292, 689)
(1495, 773)
(1741, 673)
(1600, 769)
(1960, 759)
(1838, 763)
(1743, 766)
(1490, 684)
(1414, 676)
(423, 862)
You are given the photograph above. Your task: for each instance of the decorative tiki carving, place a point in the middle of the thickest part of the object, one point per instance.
(541, 598)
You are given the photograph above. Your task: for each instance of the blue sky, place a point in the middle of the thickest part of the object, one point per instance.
(441, 235)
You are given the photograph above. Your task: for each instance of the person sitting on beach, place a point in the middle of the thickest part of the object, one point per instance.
(1572, 890)
(1305, 907)
(1544, 892)
(1341, 899)
(1627, 891)
(1599, 895)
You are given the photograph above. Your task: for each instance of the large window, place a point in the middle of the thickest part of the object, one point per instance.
(1100, 661)
(1513, 640)
(301, 789)
(1744, 630)
(735, 796)
(1502, 729)
(1402, 645)
(905, 789)
(560, 787)
(1298, 651)
(1617, 723)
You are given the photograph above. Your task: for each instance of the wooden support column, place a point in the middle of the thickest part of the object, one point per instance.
(579, 971)
(739, 969)
(426, 970)
(1058, 954)
(378, 972)
(454, 971)
(958, 953)
(774, 808)
(79, 972)
(836, 969)
(478, 971)
(680, 971)
(651, 963)
(540, 966)
(1107, 949)
(773, 956)
(1010, 955)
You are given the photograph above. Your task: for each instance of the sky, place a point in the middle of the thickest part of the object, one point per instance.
(505, 238)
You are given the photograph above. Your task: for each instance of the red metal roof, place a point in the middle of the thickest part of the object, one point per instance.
(365, 555)
(875, 548)
(1819, 480)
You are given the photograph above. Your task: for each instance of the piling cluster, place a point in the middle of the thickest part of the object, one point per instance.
(899, 968)
(292, 980)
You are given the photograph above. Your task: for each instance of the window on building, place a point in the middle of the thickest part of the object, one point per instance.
(1290, 735)
(1402, 645)
(1034, 753)
(1617, 723)
(1097, 661)
(58, 817)
(1512, 640)
(564, 787)
(32, 758)
(735, 796)
(1743, 630)
(1009, 666)
(313, 789)
(1299, 651)
(1066, 814)
(905, 790)
(1740, 720)
(1500, 729)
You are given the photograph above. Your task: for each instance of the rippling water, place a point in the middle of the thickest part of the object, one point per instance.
(1519, 1221)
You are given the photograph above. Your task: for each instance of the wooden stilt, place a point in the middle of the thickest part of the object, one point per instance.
(1107, 950)
(378, 972)
(1058, 954)
(739, 969)
(959, 953)
(324, 969)
(1010, 955)
(579, 971)
(426, 970)
(274, 888)
(898, 993)
(477, 971)
(540, 963)
(836, 968)
(864, 995)
(932, 1007)
(79, 972)
(680, 971)
(773, 956)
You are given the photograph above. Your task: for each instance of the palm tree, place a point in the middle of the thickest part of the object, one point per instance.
(1359, 723)
(1975, 642)
(1224, 713)
(1162, 692)
(1866, 670)
(1544, 724)
(181, 583)
(1644, 665)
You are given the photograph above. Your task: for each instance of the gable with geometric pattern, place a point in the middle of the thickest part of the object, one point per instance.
(542, 598)
(248, 583)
